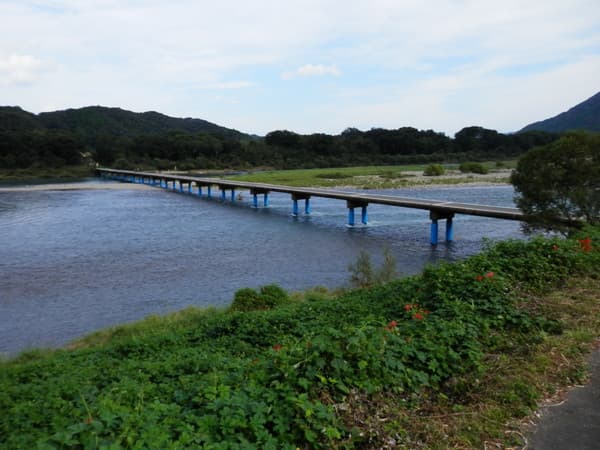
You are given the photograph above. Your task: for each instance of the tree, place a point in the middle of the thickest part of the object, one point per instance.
(558, 185)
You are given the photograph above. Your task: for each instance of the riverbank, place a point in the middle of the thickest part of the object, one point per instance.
(35, 175)
(410, 179)
(455, 357)
(379, 177)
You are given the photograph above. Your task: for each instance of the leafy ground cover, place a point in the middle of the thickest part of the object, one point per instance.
(443, 359)
(45, 174)
(373, 177)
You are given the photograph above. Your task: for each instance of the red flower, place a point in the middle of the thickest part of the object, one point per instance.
(277, 347)
(489, 274)
(479, 278)
(393, 324)
(586, 244)
(408, 307)
(418, 316)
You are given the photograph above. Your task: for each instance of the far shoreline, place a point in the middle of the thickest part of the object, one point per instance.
(91, 184)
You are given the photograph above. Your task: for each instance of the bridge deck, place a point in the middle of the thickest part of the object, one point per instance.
(356, 198)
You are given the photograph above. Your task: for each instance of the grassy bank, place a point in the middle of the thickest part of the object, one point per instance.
(450, 358)
(377, 177)
(45, 174)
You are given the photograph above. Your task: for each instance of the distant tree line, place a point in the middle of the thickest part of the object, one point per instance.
(281, 149)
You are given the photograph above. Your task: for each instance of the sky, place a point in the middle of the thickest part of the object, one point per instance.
(306, 66)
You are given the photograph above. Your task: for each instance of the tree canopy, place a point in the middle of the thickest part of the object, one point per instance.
(558, 185)
(124, 139)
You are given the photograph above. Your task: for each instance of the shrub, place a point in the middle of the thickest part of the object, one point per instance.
(246, 299)
(473, 167)
(363, 274)
(273, 295)
(434, 170)
(270, 296)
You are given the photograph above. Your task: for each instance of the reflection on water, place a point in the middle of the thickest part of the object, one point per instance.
(76, 261)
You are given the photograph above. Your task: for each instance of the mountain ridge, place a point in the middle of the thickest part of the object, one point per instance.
(96, 120)
(583, 116)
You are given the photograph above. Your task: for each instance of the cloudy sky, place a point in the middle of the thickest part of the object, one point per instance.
(307, 66)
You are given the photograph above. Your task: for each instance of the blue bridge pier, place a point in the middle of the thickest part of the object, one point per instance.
(438, 210)
(255, 192)
(300, 196)
(435, 217)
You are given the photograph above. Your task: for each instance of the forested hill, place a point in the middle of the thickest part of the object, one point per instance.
(584, 116)
(118, 138)
(93, 121)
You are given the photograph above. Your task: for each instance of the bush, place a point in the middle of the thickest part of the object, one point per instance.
(273, 295)
(473, 167)
(434, 170)
(248, 299)
(363, 274)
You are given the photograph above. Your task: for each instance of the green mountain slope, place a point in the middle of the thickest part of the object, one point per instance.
(584, 116)
(13, 118)
(98, 120)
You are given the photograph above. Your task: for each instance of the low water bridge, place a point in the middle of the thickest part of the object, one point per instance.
(438, 210)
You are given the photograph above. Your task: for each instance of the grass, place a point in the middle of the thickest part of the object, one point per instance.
(456, 357)
(368, 177)
(45, 174)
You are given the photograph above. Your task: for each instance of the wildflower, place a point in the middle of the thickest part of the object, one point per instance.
(479, 278)
(277, 347)
(489, 274)
(393, 324)
(408, 307)
(586, 244)
(418, 316)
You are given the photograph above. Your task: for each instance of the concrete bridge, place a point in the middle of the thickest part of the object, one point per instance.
(438, 210)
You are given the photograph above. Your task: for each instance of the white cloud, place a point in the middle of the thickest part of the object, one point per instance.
(434, 64)
(312, 70)
(227, 85)
(19, 69)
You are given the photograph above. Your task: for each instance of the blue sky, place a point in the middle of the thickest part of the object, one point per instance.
(307, 66)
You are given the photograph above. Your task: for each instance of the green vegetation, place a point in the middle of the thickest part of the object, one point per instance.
(368, 177)
(363, 274)
(434, 170)
(46, 174)
(437, 360)
(473, 167)
(268, 297)
(558, 186)
(127, 140)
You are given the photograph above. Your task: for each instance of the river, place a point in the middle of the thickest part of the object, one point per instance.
(74, 261)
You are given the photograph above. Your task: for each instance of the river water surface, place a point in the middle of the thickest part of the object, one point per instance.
(75, 261)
